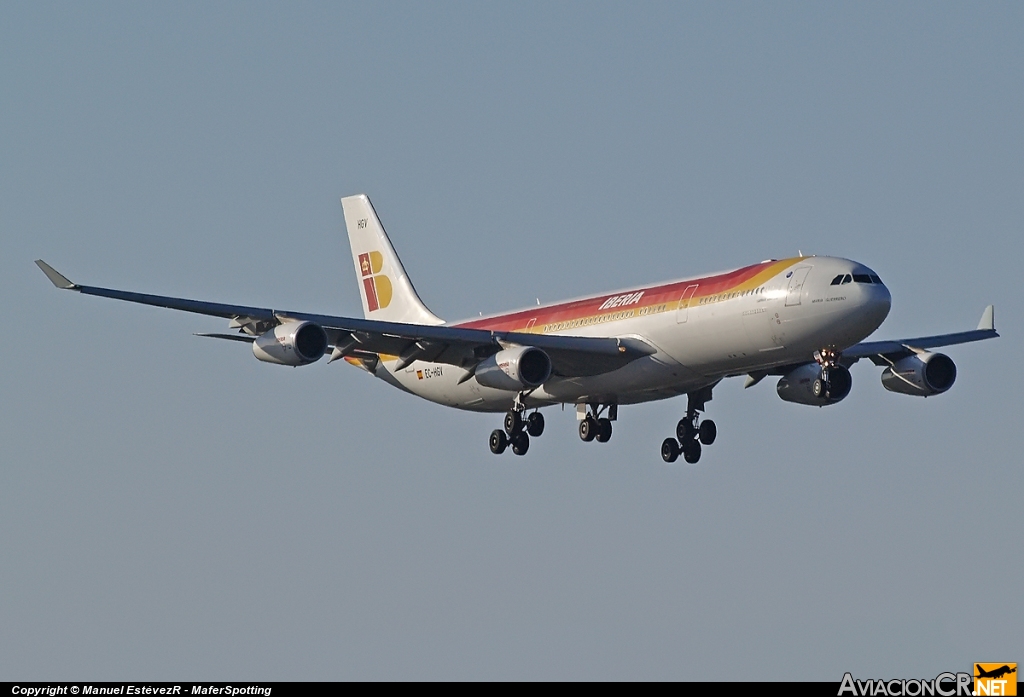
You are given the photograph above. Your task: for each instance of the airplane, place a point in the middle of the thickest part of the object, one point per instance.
(803, 319)
(996, 673)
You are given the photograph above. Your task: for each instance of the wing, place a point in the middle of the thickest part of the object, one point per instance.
(885, 352)
(571, 356)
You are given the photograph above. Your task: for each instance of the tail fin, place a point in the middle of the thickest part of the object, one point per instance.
(383, 284)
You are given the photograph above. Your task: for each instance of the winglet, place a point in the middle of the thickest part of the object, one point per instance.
(988, 322)
(55, 278)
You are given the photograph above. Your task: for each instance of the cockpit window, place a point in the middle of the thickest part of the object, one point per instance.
(837, 280)
(847, 279)
(876, 279)
(861, 278)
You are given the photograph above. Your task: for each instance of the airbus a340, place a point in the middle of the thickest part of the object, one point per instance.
(803, 319)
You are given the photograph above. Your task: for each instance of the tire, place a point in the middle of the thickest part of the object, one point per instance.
(691, 451)
(535, 424)
(588, 429)
(817, 387)
(708, 432)
(604, 430)
(669, 450)
(684, 430)
(513, 423)
(520, 443)
(498, 442)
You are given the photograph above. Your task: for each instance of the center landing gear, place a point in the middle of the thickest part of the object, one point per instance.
(517, 431)
(593, 426)
(691, 432)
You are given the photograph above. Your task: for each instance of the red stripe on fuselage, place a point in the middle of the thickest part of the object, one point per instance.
(669, 294)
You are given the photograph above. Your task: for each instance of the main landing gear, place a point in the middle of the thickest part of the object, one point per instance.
(517, 431)
(593, 426)
(691, 432)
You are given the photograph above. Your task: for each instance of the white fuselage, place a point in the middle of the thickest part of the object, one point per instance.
(779, 318)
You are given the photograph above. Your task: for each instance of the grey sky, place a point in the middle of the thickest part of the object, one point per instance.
(171, 508)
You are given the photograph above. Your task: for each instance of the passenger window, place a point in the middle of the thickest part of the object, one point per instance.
(837, 280)
(847, 279)
(861, 278)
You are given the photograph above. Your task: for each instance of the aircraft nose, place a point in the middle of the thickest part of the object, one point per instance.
(879, 301)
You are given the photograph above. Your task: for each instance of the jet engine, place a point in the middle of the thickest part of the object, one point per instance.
(803, 385)
(291, 343)
(921, 375)
(520, 368)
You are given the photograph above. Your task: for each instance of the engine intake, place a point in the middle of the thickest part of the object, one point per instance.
(803, 385)
(291, 343)
(921, 375)
(515, 369)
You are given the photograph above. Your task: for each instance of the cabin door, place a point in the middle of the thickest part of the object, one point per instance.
(684, 304)
(796, 285)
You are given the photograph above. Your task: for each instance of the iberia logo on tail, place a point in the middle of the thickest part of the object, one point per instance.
(377, 287)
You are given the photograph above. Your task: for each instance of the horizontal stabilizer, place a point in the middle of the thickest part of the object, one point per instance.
(55, 277)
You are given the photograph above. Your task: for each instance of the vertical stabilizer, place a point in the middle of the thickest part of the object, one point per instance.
(384, 286)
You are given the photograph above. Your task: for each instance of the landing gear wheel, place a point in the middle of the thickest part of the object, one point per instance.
(691, 451)
(708, 432)
(669, 450)
(513, 423)
(520, 443)
(588, 429)
(818, 387)
(604, 430)
(684, 430)
(498, 441)
(535, 424)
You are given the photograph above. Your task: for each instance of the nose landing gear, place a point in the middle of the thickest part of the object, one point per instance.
(691, 432)
(826, 358)
(834, 382)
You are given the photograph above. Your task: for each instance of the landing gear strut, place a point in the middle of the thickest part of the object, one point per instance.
(691, 432)
(593, 426)
(517, 430)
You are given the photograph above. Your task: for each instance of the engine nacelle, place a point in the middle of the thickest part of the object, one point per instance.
(803, 385)
(515, 369)
(291, 343)
(921, 375)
